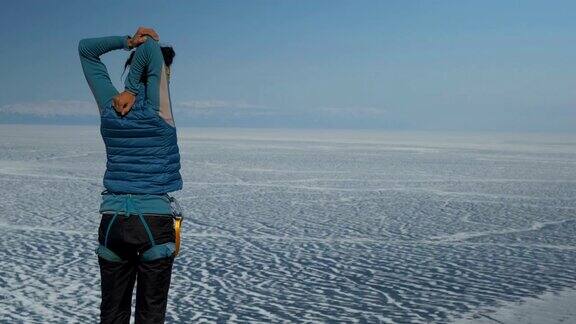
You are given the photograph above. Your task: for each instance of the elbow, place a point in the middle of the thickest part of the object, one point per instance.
(150, 43)
(82, 47)
(144, 50)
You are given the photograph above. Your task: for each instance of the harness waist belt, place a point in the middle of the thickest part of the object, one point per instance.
(135, 203)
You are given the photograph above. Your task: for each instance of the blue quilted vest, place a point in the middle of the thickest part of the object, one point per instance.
(142, 150)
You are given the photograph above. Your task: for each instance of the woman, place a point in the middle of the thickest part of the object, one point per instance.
(138, 236)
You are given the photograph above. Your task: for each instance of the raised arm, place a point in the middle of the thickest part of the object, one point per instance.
(90, 50)
(147, 60)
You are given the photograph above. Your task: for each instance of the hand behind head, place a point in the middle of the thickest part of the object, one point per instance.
(141, 35)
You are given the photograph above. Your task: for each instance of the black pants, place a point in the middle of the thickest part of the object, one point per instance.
(128, 238)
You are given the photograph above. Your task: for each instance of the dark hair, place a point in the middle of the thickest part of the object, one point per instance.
(167, 52)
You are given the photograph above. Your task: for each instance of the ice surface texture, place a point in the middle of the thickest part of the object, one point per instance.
(302, 226)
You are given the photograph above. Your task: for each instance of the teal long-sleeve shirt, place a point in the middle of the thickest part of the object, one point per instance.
(148, 60)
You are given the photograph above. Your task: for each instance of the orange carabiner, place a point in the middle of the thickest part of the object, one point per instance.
(177, 223)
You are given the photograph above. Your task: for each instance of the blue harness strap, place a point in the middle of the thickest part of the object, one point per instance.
(147, 228)
(102, 250)
(156, 251)
(108, 228)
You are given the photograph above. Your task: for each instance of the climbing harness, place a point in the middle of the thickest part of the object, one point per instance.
(129, 204)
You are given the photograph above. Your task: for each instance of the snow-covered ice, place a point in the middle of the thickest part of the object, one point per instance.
(306, 225)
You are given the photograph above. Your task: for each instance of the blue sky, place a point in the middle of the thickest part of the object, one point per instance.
(424, 65)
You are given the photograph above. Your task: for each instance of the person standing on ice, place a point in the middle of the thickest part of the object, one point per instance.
(139, 228)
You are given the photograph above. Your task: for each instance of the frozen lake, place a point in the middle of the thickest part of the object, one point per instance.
(303, 226)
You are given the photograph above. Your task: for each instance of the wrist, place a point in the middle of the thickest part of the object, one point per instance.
(131, 92)
(128, 43)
